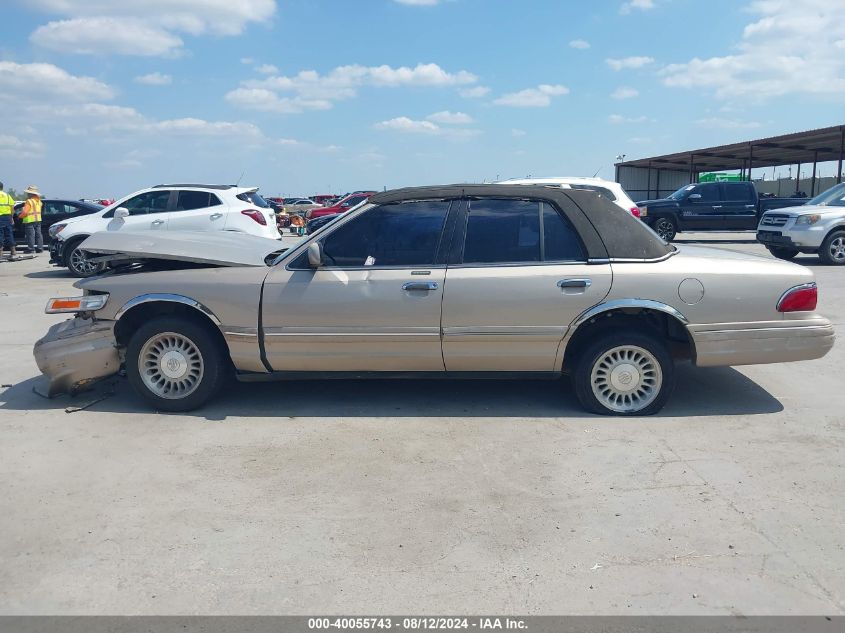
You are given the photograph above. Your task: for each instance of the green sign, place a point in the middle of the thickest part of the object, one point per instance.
(719, 177)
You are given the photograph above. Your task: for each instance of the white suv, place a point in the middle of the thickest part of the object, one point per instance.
(613, 191)
(815, 227)
(165, 208)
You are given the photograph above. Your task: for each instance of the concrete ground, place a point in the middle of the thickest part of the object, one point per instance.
(422, 497)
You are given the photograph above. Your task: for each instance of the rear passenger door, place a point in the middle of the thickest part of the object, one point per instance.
(197, 211)
(739, 205)
(702, 208)
(518, 276)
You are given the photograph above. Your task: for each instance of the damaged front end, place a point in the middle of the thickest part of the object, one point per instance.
(77, 352)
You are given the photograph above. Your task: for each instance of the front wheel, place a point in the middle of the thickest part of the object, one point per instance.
(79, 264)
(833, 249)
(624, 373)
(665, 228)
(175, 364)
(783, 253)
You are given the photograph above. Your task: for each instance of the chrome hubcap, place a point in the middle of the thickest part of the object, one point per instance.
(626, 379)
(664, 229)
(170, 365)
(837, 249)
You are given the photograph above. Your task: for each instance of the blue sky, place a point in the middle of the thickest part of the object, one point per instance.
(306, 96)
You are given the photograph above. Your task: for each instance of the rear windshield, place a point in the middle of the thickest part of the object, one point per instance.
(607, 193)
(253, 198)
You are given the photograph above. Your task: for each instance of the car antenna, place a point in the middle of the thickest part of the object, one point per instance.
(237, 184)
(597, 171)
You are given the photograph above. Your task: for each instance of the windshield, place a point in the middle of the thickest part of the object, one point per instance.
(833, 197)
(680, 193)
(254, 198)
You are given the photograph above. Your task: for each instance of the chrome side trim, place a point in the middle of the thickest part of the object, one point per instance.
(525, 330)
(230, 330)
(166, 297)
(626, 303)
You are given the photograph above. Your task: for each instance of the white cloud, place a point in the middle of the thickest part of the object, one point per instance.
(267, 69)
(642, 5)
(450, 118)
(263, 100)
(579, 44)
(142, 27)
(629, 62)
(476, 92)
(14, 147)
(516, 133)
(23, 82)
(726, 124)
(624, 92)
(313, 91)
(618, 118)
(405, 124)
(247, 61)
(794, 47)
(154, 79)
(539, 97)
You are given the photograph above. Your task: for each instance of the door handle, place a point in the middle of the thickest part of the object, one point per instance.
(215, 216)
(157, 222)
(574, 283)
(749, 206)
(419, 285)
(717, 206)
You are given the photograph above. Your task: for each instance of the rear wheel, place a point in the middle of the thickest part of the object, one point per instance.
(78, 262)
(624, 373)
(175, 364)
(665, 228)
(833, 249)
(783, 253)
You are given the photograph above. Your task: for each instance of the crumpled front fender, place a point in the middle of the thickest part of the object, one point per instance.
(77, 352)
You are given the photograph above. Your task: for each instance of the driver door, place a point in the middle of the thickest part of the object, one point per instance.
(147, 211)
(374, 305)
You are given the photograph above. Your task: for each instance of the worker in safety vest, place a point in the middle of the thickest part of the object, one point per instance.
(7, 224)
(31, 219)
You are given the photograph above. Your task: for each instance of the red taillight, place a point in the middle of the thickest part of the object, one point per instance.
(799, 299)
(255, 215)
(635, 211)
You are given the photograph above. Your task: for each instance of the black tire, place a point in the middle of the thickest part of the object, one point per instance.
(608, 343)
(75, 260)
(213, 363)
(787, 254)
(665, 227)
(831, 251)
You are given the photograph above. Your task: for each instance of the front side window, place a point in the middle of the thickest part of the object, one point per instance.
(502, 231)
(189, 200)
(405, 234)
(708, 193)
(145, 203)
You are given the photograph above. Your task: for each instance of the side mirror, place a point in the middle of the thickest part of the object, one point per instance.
(694, 196)
(121, 212)
(315, 255)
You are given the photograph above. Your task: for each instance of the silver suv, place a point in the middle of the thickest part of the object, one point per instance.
(816, 227)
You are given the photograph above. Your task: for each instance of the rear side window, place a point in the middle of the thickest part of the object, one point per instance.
(189, 200)
(607, 193)
(738, 191)
(254, 199)
(560, 241)
(500, 231)
(405, 234)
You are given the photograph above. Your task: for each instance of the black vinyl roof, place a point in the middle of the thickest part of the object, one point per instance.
(607, 230)
(823, 144)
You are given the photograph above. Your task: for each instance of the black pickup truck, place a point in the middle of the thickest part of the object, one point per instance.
(710, 206)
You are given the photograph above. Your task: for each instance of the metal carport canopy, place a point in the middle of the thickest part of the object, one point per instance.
(812, 146)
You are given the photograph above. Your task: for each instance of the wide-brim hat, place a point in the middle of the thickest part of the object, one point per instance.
(33, 190)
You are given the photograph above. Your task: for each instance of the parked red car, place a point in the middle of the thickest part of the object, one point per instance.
(322, 198)
(352, 200)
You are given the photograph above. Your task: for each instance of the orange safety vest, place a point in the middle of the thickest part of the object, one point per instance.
(31, 210)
